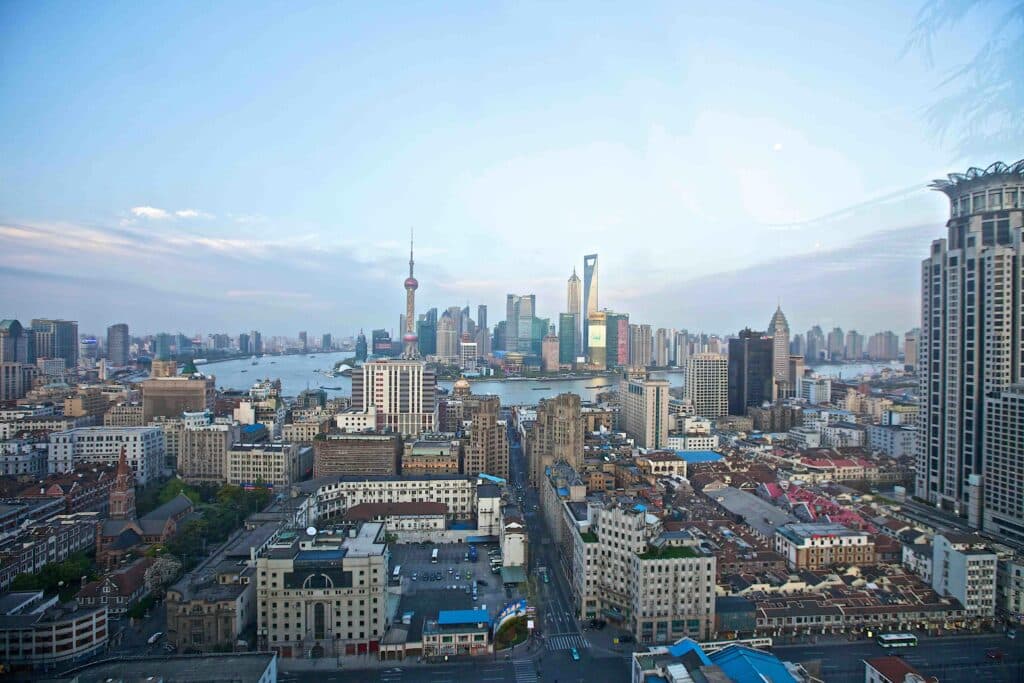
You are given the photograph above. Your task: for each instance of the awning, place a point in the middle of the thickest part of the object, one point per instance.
(513, 575)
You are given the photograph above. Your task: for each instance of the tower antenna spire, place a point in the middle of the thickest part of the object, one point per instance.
(410, 252)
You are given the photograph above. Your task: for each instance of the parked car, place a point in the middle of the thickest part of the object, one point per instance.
(994, 653)
(575, 654)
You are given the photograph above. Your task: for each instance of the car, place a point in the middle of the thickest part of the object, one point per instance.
(414, 575)
(994, 653)
(626, 638)
(575, 654)
(155, 637)
(598, 623)
(481, 582)
(1011, 634)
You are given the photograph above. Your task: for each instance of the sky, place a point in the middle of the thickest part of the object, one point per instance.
(206, 167)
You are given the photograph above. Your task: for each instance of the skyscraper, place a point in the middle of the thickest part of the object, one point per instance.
(597, 350)
(707, 384)
(411, 351)
(163, 352)
(910, 349)
(13, 342)
(751, 371)
(567, 338)
(616, 339)
(380, 341)
(556, 436)
(969, 356)
(326, 343)
(662, 337)
(361, 351)
(57, 339)
(118, 342)
(573, 303)
(815, 344)
(447, 339)
(640, 345)
(778, 329)
(481, 316)
(303, 341)
(589, 296)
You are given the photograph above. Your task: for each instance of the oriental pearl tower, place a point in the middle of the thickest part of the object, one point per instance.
(411, 351)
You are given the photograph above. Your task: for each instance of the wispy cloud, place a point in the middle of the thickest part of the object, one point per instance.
(192, 213)
(150, 212)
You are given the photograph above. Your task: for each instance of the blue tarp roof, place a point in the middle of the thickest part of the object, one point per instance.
(482, 539)
(687, 645)
(747, 665)
(562, 491)
(462, 616)
(491, 477)
(640, 508)
(699, 456)
(462, 525)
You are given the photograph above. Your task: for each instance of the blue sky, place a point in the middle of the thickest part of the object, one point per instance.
(196, 168)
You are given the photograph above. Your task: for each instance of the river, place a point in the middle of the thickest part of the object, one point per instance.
(297, 372)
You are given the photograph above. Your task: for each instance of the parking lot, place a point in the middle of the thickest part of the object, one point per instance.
(453, 575)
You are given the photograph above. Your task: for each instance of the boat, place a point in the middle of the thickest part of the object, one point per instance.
(254, 362)
(598, 386)
(541, 388)
(331, 388)
(245, 371)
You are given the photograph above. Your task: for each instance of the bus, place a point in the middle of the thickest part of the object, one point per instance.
(433, 556)
(896, 640)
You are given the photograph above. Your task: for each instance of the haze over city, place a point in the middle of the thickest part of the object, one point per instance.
(231, 168)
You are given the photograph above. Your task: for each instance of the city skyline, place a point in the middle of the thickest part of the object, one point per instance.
(673, 159)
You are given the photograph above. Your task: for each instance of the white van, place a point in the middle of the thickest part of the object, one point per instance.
(155, 637)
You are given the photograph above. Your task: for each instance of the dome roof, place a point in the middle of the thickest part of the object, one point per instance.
(411, 283)
(461, 386)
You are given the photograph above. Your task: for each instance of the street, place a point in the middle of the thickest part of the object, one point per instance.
(951, 658)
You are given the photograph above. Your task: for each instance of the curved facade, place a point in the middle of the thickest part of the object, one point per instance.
(971, 350)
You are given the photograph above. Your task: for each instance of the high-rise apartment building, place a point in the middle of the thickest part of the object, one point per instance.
(118, 343)
(836, 343)
(327, 343)
(707, 384)
(662, 338)
(589, 296)
(56, 339)
(854, 345)
(640, 345)
(910, 349)
(645, 409)
(970, 354)
(556, 436)
(883, 346)
(244, 346)
(816, 347)
(255, 342)
(751, 371)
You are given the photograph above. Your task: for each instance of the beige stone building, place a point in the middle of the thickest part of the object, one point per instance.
(486, 443)
(556, 436)
(172, 396)
(276, 463)
(203, 453)
(324, 595)
(355, 454)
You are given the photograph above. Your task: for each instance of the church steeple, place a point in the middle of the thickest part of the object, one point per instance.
(122, 493)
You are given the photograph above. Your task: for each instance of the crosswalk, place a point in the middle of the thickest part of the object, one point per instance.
(566, 642)
(525, 672)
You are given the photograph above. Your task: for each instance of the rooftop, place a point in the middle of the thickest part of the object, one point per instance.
(181, 669)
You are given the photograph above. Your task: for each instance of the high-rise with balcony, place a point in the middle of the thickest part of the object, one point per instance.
(971, 352)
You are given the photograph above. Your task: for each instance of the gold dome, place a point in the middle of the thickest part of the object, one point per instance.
(461, 386)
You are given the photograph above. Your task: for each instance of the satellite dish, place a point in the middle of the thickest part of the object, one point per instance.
(311, 530)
